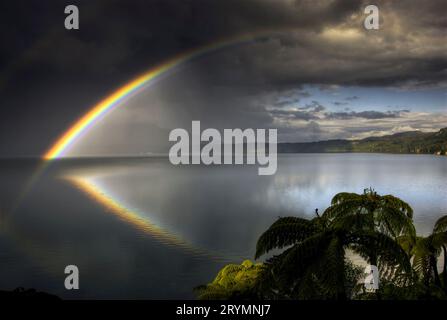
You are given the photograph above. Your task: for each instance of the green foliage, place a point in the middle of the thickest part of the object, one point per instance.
(371, 211)
(388, 290)
(425, 252)
(406, 142)
(233, 282)
(285, 232)
(313, 264)
(441, 224)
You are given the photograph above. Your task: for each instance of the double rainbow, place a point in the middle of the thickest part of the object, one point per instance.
(98, 111)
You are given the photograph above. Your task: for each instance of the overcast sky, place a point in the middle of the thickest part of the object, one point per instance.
(311, 70)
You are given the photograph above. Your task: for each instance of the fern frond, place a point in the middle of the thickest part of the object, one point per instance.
(285, 232)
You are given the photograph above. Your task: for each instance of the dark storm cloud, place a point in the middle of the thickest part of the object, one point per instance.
(293, 114)
(310, 111)
(288, 98)
(371, 114)
(113, 32)
(315, 106)
(117, 36)
(285, 103)
(315, 110)
(340, 103)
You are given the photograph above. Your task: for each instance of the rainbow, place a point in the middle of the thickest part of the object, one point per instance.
(112, 205)
(109, 103)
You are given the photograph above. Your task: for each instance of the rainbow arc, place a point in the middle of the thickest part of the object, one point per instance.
(98, 111)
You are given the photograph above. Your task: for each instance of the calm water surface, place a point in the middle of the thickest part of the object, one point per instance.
(142, 228)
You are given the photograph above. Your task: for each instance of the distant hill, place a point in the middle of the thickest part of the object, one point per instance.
(405, 142)
(28, 294)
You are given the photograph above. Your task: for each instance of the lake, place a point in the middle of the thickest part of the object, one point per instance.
(143, 228)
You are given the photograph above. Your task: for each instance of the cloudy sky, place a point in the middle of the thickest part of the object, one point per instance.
(310, 69)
